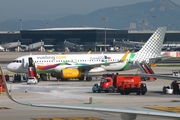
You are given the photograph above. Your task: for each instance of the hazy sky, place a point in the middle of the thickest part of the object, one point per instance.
(24, 9)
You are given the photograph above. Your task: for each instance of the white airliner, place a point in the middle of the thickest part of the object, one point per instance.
(78, 65)
(126, 114)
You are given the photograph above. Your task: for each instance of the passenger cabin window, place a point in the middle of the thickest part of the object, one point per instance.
(17, 61)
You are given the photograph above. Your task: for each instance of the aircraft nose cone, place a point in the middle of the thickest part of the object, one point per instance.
(10, 67)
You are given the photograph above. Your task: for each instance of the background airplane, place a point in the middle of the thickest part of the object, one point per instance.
(79, 65)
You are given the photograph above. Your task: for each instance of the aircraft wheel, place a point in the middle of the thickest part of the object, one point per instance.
(81, 78)
(138, 93)
(122, 92)
(88, 78)
(110, 90)
(143, 93)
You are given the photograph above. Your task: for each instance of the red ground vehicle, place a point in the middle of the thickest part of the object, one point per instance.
(123, 84)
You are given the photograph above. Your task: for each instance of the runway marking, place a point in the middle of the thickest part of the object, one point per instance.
(4, 108)
(168, 109)
(71, 118)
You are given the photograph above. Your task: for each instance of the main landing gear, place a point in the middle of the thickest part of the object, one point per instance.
(81, 78)
(88, 78)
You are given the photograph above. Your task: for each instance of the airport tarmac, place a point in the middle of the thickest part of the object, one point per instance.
(75, 92)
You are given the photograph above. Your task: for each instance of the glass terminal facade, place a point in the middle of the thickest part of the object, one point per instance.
(88, 37)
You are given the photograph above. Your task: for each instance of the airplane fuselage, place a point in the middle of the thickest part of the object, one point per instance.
(55, 63)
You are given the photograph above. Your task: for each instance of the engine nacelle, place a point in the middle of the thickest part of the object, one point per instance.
(71, 73)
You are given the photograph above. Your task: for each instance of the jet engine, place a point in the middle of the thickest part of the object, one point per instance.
(70, 73)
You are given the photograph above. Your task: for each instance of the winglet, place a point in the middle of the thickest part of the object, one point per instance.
(125, 56)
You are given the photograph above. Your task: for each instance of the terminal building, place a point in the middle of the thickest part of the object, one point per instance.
(87, 38)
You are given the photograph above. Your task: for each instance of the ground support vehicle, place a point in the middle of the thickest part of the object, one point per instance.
(96, 88)
(32, 80)
(2, 86)
(17, 78)
(122, 84)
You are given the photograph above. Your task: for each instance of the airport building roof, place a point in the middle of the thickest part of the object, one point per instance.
(150, 31)
(73, 28)
(8, 32)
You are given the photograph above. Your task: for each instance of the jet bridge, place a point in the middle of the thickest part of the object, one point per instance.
(136, 46)
(73, 47)
(37, 45)
(11, 45)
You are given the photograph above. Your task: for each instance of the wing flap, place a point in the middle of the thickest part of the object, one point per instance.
(159, 58)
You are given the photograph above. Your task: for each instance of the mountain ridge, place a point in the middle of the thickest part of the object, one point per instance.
(141, 16)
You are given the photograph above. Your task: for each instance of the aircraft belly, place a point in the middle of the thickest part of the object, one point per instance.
(97, 69)
(115, 66)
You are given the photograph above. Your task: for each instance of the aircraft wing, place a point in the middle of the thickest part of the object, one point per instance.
(159, 58)
(161, 76)
(126, 114)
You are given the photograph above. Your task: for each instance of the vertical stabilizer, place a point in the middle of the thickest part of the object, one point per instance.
(155, 42)
(153, 46)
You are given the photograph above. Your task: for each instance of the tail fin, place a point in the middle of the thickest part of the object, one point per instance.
(155, 42)
(153, 46)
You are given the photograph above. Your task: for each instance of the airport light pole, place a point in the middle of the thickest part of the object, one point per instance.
(47, 25)
(174, 26)
(155, 16)
(143, 24)
(105, 20)
(20, 24)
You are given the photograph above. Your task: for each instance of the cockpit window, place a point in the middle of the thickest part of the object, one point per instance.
(17, 61)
